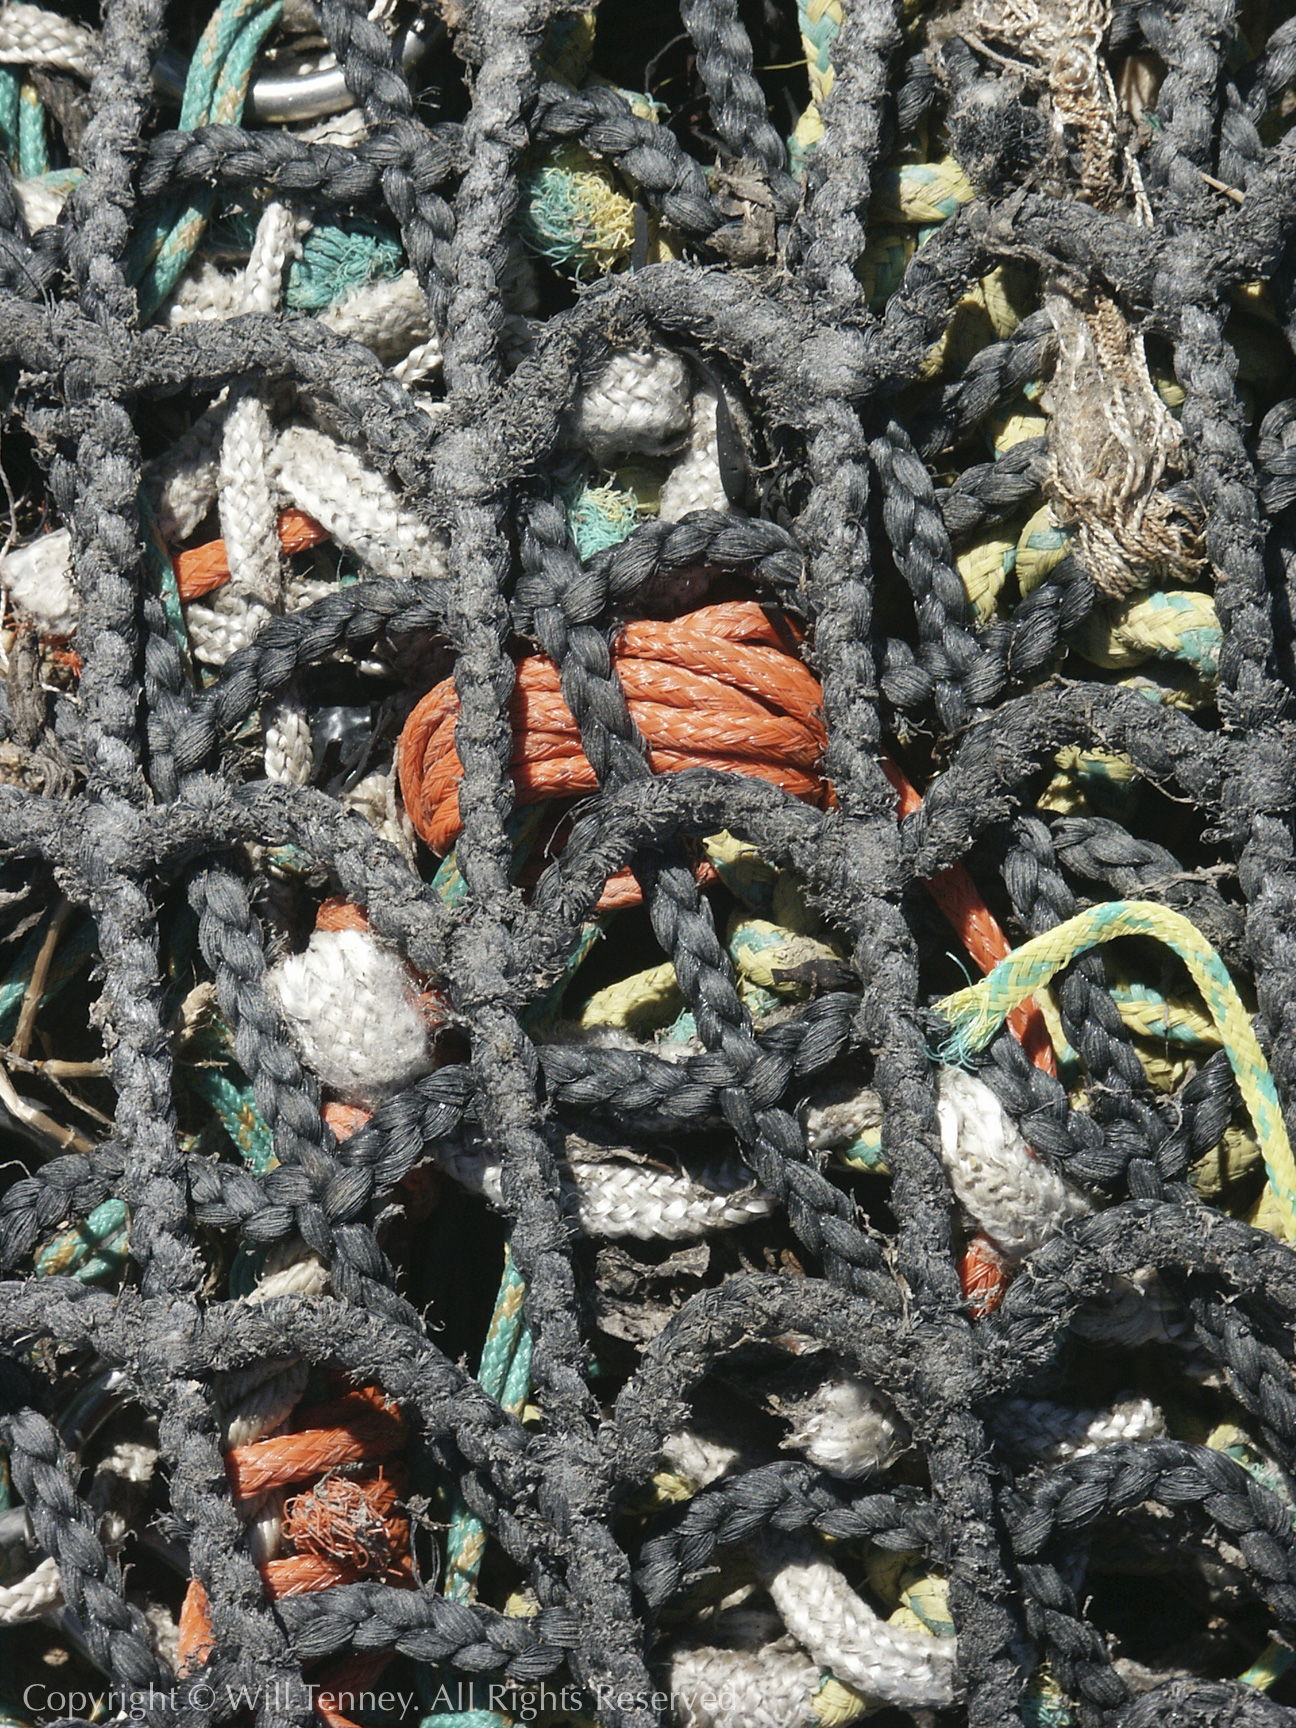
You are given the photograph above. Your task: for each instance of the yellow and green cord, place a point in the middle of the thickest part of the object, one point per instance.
(974, 1015)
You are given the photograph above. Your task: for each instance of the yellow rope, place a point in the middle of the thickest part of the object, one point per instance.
(974, 1015)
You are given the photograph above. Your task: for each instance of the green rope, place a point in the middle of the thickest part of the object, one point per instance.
(215, 91)
(600, 516)
(10, 88)
(463, 1719)
(33, 145)
(234, 1102)
(69, 957)
(334, 262)
(162, 571)
(504, 1373)
(94, 1247)
(976, 1014)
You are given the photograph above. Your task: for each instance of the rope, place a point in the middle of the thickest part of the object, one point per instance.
(975, 1014)
(215, 91)
(767, 597)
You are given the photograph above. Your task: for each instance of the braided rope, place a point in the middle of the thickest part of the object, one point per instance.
(974, 1015)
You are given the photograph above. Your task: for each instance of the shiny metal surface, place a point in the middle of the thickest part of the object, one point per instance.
(283, 98)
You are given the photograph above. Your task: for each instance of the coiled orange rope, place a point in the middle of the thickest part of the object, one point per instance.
(715, 689)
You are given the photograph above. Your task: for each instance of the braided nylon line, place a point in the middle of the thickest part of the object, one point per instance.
(551, 621)
(975, 1014)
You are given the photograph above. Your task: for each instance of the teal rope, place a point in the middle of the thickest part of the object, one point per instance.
(215, 92)
(10, 87)
(162, 571)
(334, 262)
(33, 145)
(68, 959)
(463, 1719)
(95, 1247)
(505, 1374)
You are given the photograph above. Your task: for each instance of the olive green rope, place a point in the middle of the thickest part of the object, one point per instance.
(974, 1015)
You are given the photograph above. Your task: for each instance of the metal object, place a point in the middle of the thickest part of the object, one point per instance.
(284, 98)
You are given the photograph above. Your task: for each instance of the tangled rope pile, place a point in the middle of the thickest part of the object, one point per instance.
(544, 630)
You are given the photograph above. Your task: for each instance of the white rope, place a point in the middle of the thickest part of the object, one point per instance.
(203, 293)
(248, 511)
(846, 1426)
(842, 1634)
(38, 579)
(257, 1401)
(840, 1114)
(768, 1688)
(355, 505)
(375, 799)
(1051, 1433)
(249, 519)
(611, 1199)
(182, 483)
(1134, 1310)
(289, 755)
(694, 482)
(352, 1009)
(697, 1460)
(164, 1632)
(291, 1269)
(1005, 1190)
(41, 201)
(33, 1595)
(638, 405)
(390, 318)
(253, 1408)
(30, 36)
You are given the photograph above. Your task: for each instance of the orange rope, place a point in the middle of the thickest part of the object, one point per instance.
(348, 1431)
(344, 1119)
(204, 568)
(338, 914)
(978, 929)
(196, 1642)
(715, 689)
(344, 1527)
(719, 689)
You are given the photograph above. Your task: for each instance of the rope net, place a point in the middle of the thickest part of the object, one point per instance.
(573, 582)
